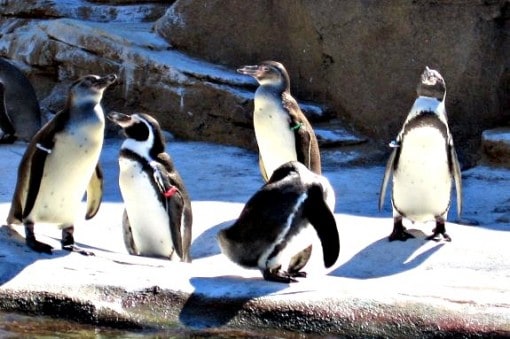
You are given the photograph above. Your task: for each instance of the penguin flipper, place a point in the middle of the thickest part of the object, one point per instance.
(37, 152)
(307, 147)
(457, 176)
(263, 171)
(322, 219)
(388, 172)
(94, 192)
(174, 203)
(175, 210)
(128, 234)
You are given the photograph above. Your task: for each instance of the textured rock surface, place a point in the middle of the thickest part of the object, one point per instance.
(496, 146)
(56, 42)
(359, 60)
(363, 59)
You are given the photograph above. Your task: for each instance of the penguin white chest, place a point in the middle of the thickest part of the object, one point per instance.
(422, 180)
(149, 220)
(275, 139)
(67, 171)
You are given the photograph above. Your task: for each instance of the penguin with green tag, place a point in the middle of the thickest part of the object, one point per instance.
(282, 131)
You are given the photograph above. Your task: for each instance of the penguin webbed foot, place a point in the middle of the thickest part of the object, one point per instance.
(8, 138)
(439, 230)
(68, 242)
(38, 246)
(33, 243)
(276, 275)
(399, 231)
(74, 248)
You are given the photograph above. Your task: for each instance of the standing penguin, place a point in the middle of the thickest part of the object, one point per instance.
(282, 131)
(158, 217)
(60, 163)
(270, 233)
(423, 163)
(20, 116)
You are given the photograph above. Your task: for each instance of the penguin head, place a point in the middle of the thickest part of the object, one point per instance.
(89, 89)
(307, 177)
(431, 85)
(142, 131)
(270, 73)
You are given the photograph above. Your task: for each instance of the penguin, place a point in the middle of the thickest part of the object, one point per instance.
(20, 109)
(282, 131)
(6, 127)
(423, 163)
(157, 218)
(61, 163)
(272, 229)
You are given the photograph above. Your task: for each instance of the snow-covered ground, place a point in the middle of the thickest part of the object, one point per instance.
(463, 285)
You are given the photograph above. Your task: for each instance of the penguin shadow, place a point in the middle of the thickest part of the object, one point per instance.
(218, 300)
(384, 258)
(15, 255)
(206, 245)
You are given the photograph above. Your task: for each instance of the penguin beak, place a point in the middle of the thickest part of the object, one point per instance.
(121, 119)
(253, 70)
(105, 81)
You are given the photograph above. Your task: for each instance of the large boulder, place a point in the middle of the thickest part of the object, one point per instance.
(363, 59)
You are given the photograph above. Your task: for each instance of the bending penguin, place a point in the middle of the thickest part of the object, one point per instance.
(61, 163)
(157, 217)
(20, 115)
(423, 163)
(270, 233)
(282, 131)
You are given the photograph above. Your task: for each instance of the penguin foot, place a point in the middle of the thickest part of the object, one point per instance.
(299, 274)
(439, 230)
(278, 276)
(39, 247)
(73, 248)
(399, 231)
(68, 242)
(8, 138)
(33, 243)
(435, 237)
(401, 235)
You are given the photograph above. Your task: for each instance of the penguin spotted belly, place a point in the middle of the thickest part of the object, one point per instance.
(149, 219)
(275, 139)
(422, 181)
(67, 171)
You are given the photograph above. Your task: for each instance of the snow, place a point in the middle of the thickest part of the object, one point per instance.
(220, 180)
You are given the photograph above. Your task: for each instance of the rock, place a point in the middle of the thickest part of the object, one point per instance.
(363, 60)
(102, 11)
(190, 98)
(496, 146)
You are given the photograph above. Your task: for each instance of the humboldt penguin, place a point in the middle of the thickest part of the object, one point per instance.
(282, 131)
(423, 163)
(61, 163)
(20, 115)
(157, 218)
(271, 232)
(6, 127)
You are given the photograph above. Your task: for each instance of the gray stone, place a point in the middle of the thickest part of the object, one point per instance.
(496, 146)
(363, 59)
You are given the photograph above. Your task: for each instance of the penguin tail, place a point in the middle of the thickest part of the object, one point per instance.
(322, 219)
